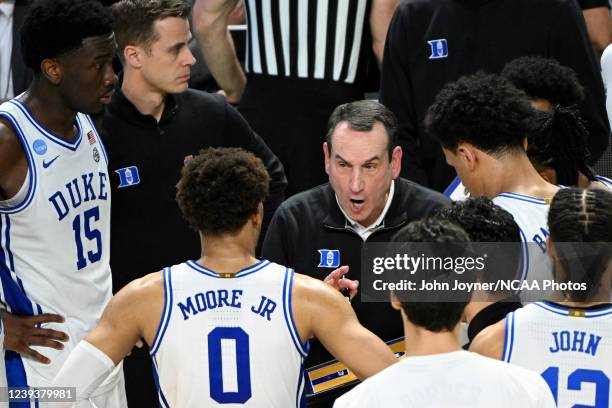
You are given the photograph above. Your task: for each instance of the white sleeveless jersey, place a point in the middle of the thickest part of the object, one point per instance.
(570, 348)
(456, 191)
(531, 215)
(228, 342)
(54, 237)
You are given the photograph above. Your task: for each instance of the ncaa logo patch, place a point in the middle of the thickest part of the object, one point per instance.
(330, 258)
(39, 146)
(128, 176)
(439, 48)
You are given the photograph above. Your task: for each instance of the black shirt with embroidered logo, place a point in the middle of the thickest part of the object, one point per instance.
(310, 222)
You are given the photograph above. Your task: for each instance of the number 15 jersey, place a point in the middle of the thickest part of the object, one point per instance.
(228, 342)
(54, 237)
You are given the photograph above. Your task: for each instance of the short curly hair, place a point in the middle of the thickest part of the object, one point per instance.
(545, 78)
(53, 28)
(221, 188)
(482, 219)
(481, 109)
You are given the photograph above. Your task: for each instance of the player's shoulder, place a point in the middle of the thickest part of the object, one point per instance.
(490, 341)
(142, 290)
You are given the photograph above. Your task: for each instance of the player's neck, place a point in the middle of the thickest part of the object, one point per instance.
(148, 101)
(515, 173)
(228, 253)
(49, 109)
(422, 342)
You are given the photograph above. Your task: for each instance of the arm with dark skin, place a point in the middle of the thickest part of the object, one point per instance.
(21, 332)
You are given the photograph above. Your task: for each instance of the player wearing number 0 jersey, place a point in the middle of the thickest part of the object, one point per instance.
(227, 328)
(568, 343)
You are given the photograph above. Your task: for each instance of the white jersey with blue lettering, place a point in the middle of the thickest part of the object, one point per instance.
(228, 341)
(54, 237)
(606, 182)
(531, 215)
(570, 347)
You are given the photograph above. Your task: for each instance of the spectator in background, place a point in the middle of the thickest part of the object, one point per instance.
(152, 124)
(597, 17)
(303, 60)
(433, 42)
(15, 76)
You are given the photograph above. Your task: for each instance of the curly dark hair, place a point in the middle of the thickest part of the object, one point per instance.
(580, 224)
(435, 316)
(483, 220)
(559, 141)
(53, 28)
(545, 78)
(221, 188)
(481, 109)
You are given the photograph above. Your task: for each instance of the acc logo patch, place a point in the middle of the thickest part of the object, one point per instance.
(128, 176)
(439, 48)
(96, 155)
(330, 258)
(39, 146)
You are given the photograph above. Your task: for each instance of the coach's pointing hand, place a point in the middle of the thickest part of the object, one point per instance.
(21, 332)
(337, 280)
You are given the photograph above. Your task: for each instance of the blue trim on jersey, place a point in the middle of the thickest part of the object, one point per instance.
(243, 272)
(99, 139)
(564, 310)
(523, 197)
(73, 146)
(165, 319)
(162, 398)
(7, 242)
(604, 180)
(508, 338)
(300, 400)
(452, 186)
(15, 375)
(525, 257)
(288, 313)
(32, 175)
(13, 291)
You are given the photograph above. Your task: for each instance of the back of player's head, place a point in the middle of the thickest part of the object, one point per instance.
(484, 110)
(559, 141)
(545, 78)
(53, 28)
(361, 116)
(220, 189)
(135, 19)
(433, 316)
(483, 220)
(577, 217)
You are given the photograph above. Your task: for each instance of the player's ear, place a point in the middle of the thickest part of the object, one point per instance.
(52, 70)
(396, 162)
(468, 155)
(395, 303)
(257, 217)
(132, 56)
(550, 248)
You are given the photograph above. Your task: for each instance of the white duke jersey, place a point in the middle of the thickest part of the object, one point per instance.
(458, 379)
(531, 215)
(229, 342)
(54, 237)
(570, 347)
(456, 191)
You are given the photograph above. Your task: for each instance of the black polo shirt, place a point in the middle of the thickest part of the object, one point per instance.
(308, 223)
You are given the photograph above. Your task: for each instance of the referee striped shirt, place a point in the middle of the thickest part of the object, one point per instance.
(316, 39)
